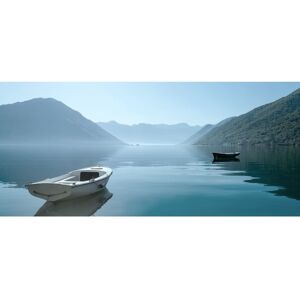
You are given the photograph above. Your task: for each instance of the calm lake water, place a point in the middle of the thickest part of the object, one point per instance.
(157, 181)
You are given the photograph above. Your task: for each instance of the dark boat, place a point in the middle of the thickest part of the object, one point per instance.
(224, 156)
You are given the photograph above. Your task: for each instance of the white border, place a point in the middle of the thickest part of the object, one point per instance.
(158, 40)
(149, 258)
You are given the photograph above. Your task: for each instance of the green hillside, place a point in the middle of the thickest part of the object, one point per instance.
(274, 123)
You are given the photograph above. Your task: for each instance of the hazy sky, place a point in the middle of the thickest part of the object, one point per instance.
(129, 103)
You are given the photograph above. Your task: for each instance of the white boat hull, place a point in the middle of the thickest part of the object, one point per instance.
(50, 191)
(59, 190)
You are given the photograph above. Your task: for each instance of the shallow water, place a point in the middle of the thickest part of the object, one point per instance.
(157, 181)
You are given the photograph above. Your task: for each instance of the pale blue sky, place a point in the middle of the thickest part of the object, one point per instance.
(129, 103)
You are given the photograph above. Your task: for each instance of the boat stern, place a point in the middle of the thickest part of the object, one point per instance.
(49, 191)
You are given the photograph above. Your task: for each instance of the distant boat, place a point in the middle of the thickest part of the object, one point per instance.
(225, 156)
(77, 183)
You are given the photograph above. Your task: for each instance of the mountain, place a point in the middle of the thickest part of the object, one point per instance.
(274, 123)
(196, 136)
(46, 120)
(150, 133)
(203, 131)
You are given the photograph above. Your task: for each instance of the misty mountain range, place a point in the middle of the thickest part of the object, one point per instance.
(150, 133)
(203, 131)
(46, 120)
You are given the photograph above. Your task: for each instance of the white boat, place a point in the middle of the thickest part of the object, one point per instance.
(77, 183)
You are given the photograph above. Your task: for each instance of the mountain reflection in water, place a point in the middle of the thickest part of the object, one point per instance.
(23, 164)
(271, 166)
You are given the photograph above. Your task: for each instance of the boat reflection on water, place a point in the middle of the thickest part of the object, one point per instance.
(82, 206)
(217, 160)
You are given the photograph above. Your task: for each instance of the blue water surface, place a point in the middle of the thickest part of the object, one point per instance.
(157, 181)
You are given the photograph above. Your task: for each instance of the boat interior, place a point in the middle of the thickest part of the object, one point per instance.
(81, 176)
